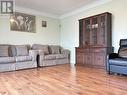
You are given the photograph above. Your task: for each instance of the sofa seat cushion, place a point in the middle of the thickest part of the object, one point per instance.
(7, 60)
(50, 57)
(23, 58)
(118, 61)
(60, 56)
(55, 56)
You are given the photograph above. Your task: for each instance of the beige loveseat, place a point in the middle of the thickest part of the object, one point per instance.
(15, 57)
(51, 55)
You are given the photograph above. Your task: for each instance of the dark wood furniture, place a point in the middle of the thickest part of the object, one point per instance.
(94, 40)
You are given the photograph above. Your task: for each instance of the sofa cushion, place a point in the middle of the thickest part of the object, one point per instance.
(21, 50)
(7, 60)
(55, 49)
(55, 56)
(118, 61)
(123, 42)
(50, 57)
(13, 49)
(60, 56)
(23, 58)
(43, 48)
(4, 51)
(123, 52)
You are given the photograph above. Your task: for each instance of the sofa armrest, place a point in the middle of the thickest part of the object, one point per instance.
(66, 52)
(113, 55)
(34, 54)
(110, 56)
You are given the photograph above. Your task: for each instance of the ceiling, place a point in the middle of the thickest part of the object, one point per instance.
(55, 7)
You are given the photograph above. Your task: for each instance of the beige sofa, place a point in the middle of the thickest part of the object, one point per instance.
(15, 57)
(51, 55)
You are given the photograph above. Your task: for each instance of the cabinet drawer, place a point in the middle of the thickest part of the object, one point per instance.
(98, 50)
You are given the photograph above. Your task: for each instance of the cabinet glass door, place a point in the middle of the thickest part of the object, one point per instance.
(94, 31)
(87, 28)
(101, 34)
(80, 33)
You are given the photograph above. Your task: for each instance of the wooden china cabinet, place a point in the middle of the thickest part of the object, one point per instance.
(94, 40)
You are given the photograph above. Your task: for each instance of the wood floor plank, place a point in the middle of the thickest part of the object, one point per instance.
(62, 80)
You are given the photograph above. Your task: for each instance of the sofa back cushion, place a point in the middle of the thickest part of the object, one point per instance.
(13, 49)
(20, 50)
(54, 49)
(123, 52)
(123, 43)
(4, 51)
(43, 48)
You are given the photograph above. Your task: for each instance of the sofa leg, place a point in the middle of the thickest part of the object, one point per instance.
(109, 70)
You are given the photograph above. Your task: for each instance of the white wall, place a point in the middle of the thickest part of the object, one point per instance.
(68, 35)
(48, 35)
(70, 25)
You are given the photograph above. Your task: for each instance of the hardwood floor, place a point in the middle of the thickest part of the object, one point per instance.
(62, 80)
